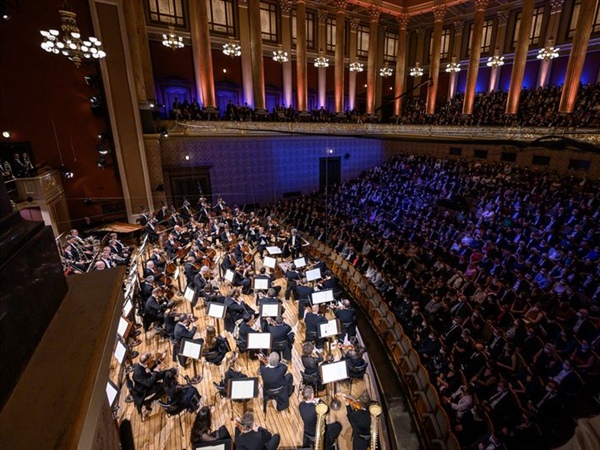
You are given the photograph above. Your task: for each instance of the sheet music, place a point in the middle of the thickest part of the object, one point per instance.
(314, 274)
(322, 297)
(269, 262)
(274, 250)
(270, 309)
(261, 284)
(242, 389)
(332, 372)
(122, 329)
(120, 351)
(190, 349)
(329, 329)
(229, 276)
(212, 447)
(111, 392)
(216, 310)
(128, 307)
(300, 263)
(259, 340)
(189, 294)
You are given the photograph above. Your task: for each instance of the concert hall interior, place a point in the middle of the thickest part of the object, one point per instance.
(293, 224)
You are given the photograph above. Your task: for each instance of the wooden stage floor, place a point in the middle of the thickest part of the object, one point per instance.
(158, 431)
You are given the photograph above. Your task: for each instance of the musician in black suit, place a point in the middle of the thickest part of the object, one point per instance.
(275, 375)
(262, 274)
(294, 243)
(292, 276)
(304, 293)
(183, 330)
(148, 381)
(282, 335)
(347, 317)
(154, 309)
(252, 437)
(312, 321)
(236, 309)
(309, 416)
(360, 420)
(199, 284)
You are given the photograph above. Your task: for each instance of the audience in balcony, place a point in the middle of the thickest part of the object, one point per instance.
(537, 108)
(492, 271)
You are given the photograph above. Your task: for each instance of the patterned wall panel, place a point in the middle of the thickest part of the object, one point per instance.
(262, 169)
(155, 170)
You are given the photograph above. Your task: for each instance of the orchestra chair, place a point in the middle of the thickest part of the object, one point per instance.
(139, 400)
(309, 380)
(172, 410)
(270, 394)
(357, 373)
(278, 347)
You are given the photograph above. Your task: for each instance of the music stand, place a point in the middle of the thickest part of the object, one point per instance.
(331, 328)
(269, 262)
(334, 372)
(124, 327)
(218, 311)
(241, 389)
(300, 262)
(274, 250)
(319, 297)
(193, 350)
(225, 444)
(259, 341)
(261, 284)
(313, 274)
(270, 309)
(189, 294)
(229, 275)
(120, 351)
(127, 307)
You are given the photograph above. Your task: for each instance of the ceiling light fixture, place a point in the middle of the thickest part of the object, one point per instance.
(68, 41)
(232, 49)
(321, 61)
(416, 71)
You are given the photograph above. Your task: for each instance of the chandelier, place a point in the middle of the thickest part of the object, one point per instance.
(357, 67)
(453, 67)
(68, 41)
(385, 71)
(171, 40)
(321, 61)
(232, 49)
(280, 56)
(416, 71)
(549, 51)
(496, 60)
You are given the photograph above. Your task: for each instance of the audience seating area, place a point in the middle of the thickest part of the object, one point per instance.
(482, 284)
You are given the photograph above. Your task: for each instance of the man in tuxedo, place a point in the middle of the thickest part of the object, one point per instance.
(360, 420)
(282, 337)
(312, 321)
(183, 330)
(309, 417)
(294, 244)
(347, 317)
(253, 437)
(304, 293)
(199, 283)
(274, 376)
(292, 276)
(148, 382)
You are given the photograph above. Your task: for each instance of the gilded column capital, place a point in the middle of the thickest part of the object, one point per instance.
(354, 23)
(439, 11)
(340, 5)
(480, 4)
(459, 26)
(503, 16)
(403, 20)
(322, 15)
(374, 13)
(285, 5)
(556, 6)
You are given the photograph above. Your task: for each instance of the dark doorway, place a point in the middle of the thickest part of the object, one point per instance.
(189, 183)
(330, 172)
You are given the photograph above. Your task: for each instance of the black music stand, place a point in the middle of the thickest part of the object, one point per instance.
(242, 389)
(218, 311)
(193, 350)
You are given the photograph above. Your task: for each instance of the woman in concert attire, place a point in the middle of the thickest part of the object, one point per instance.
(201, 429)
(185, 397)
(216, 347)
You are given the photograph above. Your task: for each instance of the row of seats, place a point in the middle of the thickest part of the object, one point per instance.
(430, 418)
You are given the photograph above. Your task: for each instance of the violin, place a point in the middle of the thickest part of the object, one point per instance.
(156, 360)
(262, 358)
(353, 402)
